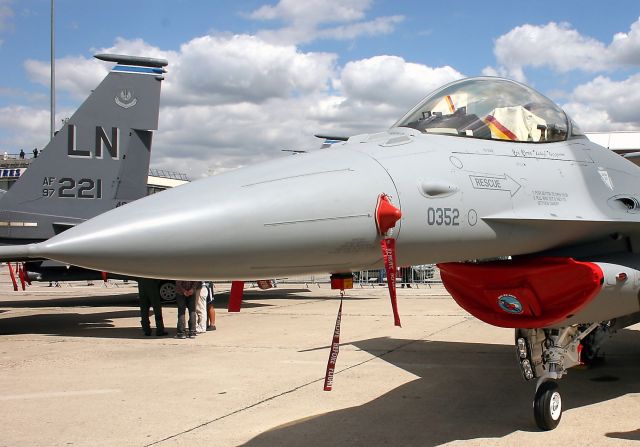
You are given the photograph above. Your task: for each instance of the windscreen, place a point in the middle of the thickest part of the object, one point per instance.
(489, 108)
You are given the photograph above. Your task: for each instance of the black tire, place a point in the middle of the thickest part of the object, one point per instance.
(547, 406)
(167, 290)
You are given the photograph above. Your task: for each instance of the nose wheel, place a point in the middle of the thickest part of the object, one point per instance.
(547, 405)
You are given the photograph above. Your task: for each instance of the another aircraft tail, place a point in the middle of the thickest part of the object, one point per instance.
(99, 160)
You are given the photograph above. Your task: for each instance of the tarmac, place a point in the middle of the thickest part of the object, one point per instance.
(77, 370)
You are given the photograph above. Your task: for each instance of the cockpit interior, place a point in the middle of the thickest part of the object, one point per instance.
(491, 108)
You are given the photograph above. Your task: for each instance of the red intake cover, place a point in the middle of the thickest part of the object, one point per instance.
(386, 214)
(522, 293)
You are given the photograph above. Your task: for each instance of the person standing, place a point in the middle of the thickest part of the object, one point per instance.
(406, 273)
(149, 293)
(186, 299)
(22, 154)
(35, 152)
(211, 311)
(201, 308)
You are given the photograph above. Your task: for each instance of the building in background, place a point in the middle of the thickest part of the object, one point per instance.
(622, 142)
(160, 179)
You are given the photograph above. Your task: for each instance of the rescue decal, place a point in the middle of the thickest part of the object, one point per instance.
(496, 183)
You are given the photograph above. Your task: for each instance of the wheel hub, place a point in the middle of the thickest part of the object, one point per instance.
(555, 405)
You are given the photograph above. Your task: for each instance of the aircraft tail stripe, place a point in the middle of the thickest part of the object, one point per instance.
(134, 69)
(497, 128)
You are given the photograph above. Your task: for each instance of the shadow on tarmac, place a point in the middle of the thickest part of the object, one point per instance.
(222, 298)
(73, 324)
(630, 436)
(284, 293)
(101, 324)
(463, 391)
(116, 300)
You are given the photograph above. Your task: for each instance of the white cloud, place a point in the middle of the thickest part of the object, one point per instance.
(313, 11)
(625, 47)
(562, 48)
(268, 113)
(307, 21)
(29, 127)
(605, 104)
(380, 25)
(598, 105)
(217, 70)
(230, 100)
(392, 80)
(75, 75)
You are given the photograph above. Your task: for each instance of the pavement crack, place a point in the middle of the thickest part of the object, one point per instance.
(239, 410)
(299, 387)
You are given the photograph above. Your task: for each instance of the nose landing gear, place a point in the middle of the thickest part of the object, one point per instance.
(547, 405)
(546, 355)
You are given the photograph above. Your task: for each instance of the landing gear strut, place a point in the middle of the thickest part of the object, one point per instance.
(546, 355)
(547, 405)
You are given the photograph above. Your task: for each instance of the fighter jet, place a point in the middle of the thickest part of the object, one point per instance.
(98, 161)
(533, 226)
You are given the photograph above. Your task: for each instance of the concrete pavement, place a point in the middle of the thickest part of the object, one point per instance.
(76, 370)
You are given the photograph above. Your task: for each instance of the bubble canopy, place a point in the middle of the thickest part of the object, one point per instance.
(490, 108)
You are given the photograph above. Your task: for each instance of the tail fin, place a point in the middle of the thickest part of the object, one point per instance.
(98, 160)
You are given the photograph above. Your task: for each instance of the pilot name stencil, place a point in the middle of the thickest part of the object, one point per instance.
(537, 153)
(496, 183)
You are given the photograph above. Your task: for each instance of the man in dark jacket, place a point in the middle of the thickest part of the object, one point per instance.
(149, 293)
(186, 299)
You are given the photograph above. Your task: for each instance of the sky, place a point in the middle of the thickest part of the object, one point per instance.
(249, 79)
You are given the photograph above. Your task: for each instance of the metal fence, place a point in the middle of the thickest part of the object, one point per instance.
(418, 275)
(168, 174)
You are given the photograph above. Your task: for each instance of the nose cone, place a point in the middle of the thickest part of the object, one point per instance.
(299, 214)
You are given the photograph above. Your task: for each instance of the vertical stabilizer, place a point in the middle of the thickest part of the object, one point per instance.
(98, 160)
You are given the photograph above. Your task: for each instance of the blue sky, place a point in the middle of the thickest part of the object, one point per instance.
(345, 66)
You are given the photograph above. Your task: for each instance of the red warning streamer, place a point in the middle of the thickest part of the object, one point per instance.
(26, 274)
(333, 355)
(388, 246)
(21, 275)
(13, 277)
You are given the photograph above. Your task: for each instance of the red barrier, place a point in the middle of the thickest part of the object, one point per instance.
(235, 299)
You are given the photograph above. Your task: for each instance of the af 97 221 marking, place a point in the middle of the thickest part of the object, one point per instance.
(70, 188)
(443, 216)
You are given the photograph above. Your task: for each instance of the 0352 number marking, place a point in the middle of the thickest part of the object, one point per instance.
(443, 216)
